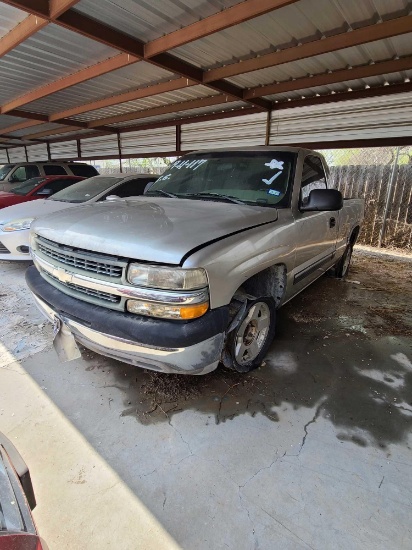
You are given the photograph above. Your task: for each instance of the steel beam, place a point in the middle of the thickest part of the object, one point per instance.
(404, 87)
(162, 110)
(380, 31)
(93, 71)
(325, 79)
(148, 91)
(246, 10)
(21, 32)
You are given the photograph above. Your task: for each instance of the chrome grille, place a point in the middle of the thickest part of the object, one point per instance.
(90, 262)
(90, 292)
(3, 249)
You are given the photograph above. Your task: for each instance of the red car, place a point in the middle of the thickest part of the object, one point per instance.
(17, 528)
(36, 188)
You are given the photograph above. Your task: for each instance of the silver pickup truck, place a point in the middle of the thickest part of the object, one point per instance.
(191, 274)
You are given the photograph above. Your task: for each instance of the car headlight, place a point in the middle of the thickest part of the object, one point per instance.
(167, 311)
(17, 225)
(166, 278)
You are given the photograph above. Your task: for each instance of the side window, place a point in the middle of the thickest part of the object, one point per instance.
(84, 170)
(132, 188)
(313, 177)
(23, 173)
(54, 170)
(57, 185)
(32, 171)
(19, 174)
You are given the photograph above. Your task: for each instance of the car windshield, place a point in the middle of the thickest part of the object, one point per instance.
(85, 190)
(250, 177)
(27, 186)
(5, 169)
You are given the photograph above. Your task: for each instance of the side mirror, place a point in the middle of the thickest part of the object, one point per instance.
(148, 186)
(323, 200)
(113, 198)
(44, 192)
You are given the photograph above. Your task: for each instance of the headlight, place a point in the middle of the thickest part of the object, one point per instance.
(166, 278)
(18, 225)
(167, 311)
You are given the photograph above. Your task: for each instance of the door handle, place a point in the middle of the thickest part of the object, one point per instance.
(332, 222)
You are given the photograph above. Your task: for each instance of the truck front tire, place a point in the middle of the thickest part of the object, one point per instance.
(250, 340)
(342, 267)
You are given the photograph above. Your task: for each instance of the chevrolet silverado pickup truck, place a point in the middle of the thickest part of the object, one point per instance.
(191, 274)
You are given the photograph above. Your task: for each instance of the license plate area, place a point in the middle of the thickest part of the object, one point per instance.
(63, 342)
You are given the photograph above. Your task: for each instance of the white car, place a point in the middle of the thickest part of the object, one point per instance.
(15, 220)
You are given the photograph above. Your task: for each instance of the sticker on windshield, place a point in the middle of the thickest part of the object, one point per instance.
(192, 165)
(272, 179)
(275, 164)
(166, 177)
(273, 192)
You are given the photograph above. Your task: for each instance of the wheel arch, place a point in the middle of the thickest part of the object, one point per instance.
(353, 237)
(270, 282)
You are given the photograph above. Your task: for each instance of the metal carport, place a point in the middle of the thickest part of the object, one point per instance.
(311, 451)
(95, 79)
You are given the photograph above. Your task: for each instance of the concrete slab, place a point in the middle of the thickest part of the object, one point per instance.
(312, 450)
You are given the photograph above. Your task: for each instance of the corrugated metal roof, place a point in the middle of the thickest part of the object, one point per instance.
(55, 52)
(50, 54)
(147, 19)
(221, 108)
(3, 155)
(163, 139)
(7, 120)
(63, 150)
(236, 132)
(299, 22)
(380, 50)
(186, 94)
(17, 154)
(359, 84)
(41, 127)
(10, 18)
(356, 119)
(37, 152)
(122, 80)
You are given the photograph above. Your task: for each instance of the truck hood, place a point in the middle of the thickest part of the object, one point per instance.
(32, 209)
(155, 230)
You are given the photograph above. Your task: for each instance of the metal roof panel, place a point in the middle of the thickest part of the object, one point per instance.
(300, 22)
(121, 80)
(167, 98)
(50, 54)
(7, 120)
(10, 18)
(149, 20)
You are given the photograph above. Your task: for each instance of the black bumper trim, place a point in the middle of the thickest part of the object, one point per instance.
(137, 328)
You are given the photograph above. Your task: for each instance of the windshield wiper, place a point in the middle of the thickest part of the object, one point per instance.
(165, 193)
(219, 195)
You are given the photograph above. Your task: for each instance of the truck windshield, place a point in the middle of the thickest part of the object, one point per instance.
(85, 190)
(251, 177)
(5, 169)
(27, 186)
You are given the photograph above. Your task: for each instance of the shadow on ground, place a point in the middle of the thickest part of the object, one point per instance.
(341, 348)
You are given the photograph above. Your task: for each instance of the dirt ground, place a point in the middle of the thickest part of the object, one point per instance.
(374, 301)
(311, 450)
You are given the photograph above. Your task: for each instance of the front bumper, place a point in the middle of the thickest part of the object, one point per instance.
(12, 242)
(192, 347)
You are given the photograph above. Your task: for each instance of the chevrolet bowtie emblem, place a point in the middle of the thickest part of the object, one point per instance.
(62, 275)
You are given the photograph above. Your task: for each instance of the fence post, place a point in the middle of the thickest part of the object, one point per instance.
(389, 197)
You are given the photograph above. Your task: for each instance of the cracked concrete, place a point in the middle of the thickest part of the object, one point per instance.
(311, 451)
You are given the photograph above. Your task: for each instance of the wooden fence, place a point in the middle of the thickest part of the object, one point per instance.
(372, 184)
